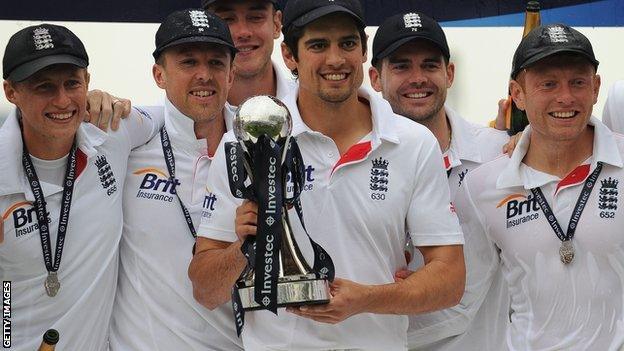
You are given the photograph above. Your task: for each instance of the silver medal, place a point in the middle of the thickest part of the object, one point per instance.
(566, 251)
(52, 284)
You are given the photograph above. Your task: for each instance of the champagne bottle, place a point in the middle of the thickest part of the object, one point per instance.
(50, 338)
(516, 119)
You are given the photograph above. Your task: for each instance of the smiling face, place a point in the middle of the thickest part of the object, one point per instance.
(196, 78)
(414, 80)
(558, 94)
(52, 103)
(254, 26)
(330, 58)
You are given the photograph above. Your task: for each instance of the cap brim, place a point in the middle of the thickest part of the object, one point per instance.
(548, 53)
(27, 69)
(195, 39)
(323, 11)
(397, 44)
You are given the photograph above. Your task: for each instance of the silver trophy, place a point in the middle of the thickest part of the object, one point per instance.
(297, 284)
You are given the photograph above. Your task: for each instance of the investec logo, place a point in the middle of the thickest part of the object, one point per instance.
(156, 185)
(24, 218)
(271, 208)
(520, 209)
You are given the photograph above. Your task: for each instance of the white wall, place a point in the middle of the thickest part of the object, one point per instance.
(121, 61)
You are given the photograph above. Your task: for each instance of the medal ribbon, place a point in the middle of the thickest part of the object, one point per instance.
(170, 161)
(578, 208)
(52, 265)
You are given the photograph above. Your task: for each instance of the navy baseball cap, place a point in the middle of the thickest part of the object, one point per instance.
(299, 13)
(192, 26)
(404, 27)
(37, 47)
(549, 40)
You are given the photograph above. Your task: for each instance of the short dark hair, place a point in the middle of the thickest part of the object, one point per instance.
(210, 7)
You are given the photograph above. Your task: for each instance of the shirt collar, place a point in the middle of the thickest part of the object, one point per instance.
(383, 118)
(284, 82)
(517, 173)
(12, 178)
(464, 145)
(181, 128)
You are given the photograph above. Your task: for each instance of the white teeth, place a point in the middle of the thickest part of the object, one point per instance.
(563, 114)
(335, 76)
(416, 95)
(60, 115)
(245, 49)
(202, 93)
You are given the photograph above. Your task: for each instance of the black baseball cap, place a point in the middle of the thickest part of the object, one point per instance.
(37, 47)
(206, 3)
(549, 40)
(192, 26)
(404, 27)
(299, 13)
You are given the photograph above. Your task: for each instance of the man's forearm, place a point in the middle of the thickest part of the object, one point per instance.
(213, 273)
(437, 285)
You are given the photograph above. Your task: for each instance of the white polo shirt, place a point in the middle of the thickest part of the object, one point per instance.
(88, 271)
(479, 321)
(613, 112)
(578, 306)
(154, 307)
(362, 229)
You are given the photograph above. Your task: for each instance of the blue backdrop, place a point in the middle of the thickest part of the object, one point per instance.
(450, 12)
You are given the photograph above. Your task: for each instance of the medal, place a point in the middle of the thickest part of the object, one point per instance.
(566, 252)
(52, 284)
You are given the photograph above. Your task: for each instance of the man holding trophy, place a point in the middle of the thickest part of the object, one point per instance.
(370, 178)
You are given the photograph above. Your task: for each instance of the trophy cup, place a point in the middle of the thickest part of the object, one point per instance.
(277, 274)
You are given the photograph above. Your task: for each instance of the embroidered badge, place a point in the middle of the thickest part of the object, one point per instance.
(379, 179)
(107, 178)
(608, 197)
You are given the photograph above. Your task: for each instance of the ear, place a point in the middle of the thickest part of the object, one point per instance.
(87, 79)
(450, 74)
(160, 77)
(277, 24)
(231, 74)
(288, 57)
(9, 91)
(517, 94)
(596, 87)
(364, 59)
(375, 78)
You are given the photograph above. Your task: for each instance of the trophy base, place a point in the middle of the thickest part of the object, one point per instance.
(291, 291)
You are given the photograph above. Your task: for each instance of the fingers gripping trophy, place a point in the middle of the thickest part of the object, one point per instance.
(277, 274)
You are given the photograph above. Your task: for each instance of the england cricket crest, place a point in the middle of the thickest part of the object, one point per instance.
(379, 179)
(105, 172)
(608, 197)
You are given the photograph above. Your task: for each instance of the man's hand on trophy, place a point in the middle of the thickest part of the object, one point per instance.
(348, 299)
(246, 219)
(104, 109)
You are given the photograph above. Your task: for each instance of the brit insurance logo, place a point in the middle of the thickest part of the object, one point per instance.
(379, 179)
(156, 185)
(520, 209)
(107, 178)
(209, 204)
(309, 180)
(24, 218)
(608, 197)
